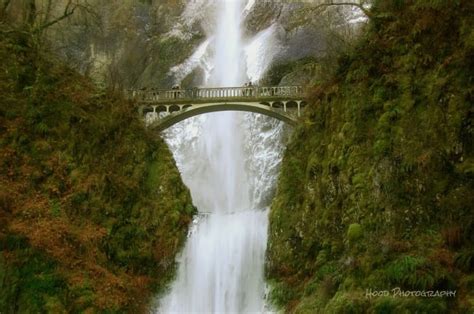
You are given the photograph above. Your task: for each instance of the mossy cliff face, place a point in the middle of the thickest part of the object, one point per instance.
(376, 187)
(92, 207)
(126, 44)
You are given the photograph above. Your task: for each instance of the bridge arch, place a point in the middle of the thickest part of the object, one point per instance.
(161, 108)
(168, 121)
(277, 104)
(174, 108)
(292, 104)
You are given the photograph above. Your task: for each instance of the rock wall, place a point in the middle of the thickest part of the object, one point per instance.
(375, 192)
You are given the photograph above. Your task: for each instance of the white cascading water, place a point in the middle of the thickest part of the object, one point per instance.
(229, 160)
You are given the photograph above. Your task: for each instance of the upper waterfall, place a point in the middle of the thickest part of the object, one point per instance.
(228, 61)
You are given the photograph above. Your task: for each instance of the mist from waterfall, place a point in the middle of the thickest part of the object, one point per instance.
(229, 161)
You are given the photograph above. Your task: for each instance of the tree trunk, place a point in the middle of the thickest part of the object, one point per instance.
(31, 15)
(3, 9)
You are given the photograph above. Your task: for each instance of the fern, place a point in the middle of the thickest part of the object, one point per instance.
(42, 128)
(402, 270)
(465, 260)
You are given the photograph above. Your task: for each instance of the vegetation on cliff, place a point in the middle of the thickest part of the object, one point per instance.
(92, 207)
(376, 188)
(120, 44)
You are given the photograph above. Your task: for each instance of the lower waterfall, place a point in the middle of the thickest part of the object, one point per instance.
(229, 161)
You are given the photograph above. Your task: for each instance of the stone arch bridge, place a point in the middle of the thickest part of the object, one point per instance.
(168, 107)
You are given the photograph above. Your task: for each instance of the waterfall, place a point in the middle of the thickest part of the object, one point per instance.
(229, 161)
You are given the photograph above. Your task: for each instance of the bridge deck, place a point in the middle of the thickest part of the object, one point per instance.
(225, 95)
(163, 108)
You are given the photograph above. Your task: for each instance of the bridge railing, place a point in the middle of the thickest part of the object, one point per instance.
(253, 92)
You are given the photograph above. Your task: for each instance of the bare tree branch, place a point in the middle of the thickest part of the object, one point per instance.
(330, 3)
(68, 11)
(5, 5)
(4, 8)
(48, 12)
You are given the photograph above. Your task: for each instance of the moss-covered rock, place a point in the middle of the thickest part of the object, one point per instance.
(375, 190)
(92, 207)
(354, 232)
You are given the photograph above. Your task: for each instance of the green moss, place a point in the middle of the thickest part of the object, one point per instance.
(354, 232)
(99, 209)
(408, 305)
(280, 293)
(292, 73)
(386, 142)
(30, 283)
(168, 52)
(347, 303)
